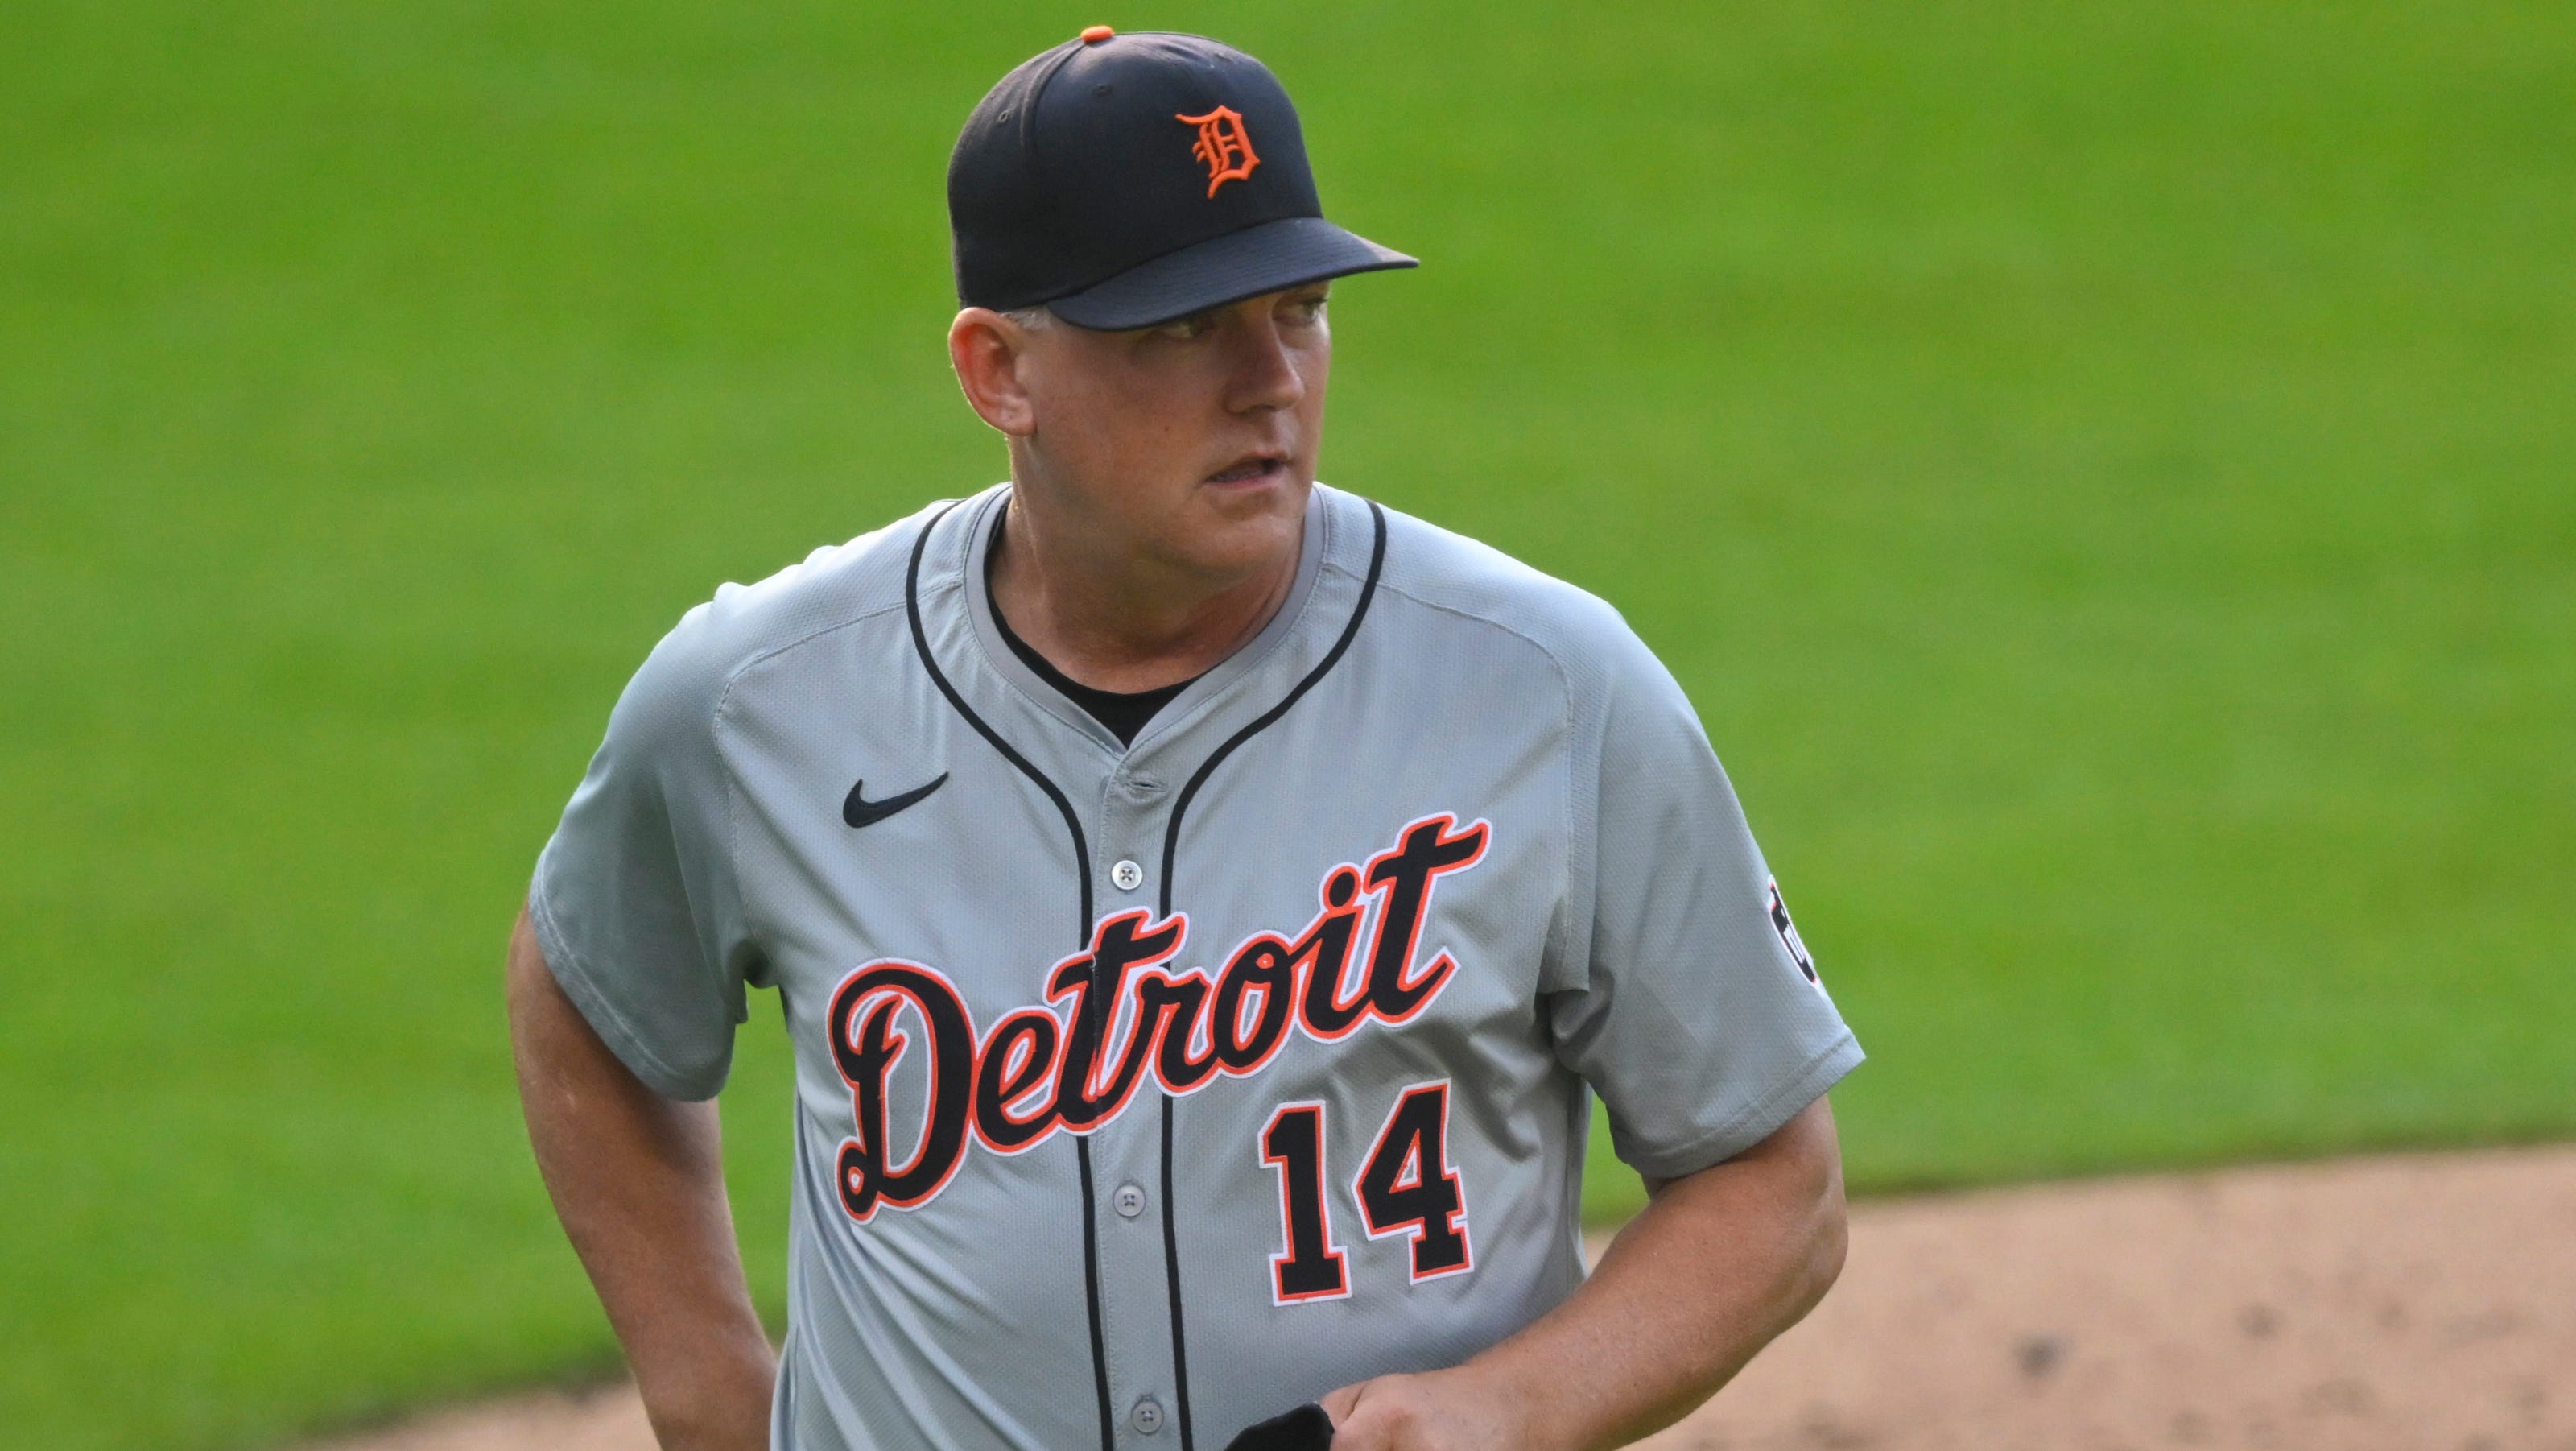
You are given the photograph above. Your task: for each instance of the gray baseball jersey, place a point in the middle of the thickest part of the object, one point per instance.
(1145, 1092)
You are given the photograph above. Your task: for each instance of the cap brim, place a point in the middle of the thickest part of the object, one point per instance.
(1271, 257)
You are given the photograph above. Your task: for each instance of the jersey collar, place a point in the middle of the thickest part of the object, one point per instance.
(1324, 534)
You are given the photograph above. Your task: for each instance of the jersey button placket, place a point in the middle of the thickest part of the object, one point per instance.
(1129, 810)
(1146, 1416)
(1126, 1152)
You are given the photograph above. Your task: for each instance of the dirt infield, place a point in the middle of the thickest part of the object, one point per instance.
(2423, 1303)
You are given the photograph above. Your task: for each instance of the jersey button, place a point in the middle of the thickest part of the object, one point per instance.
(1129, 1201)
(1127, 875)
(1146, 1416)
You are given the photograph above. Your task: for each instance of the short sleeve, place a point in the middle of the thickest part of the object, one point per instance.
(1690, 1004)
(635, 902)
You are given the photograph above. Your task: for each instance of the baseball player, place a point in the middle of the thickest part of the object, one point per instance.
(1203, 902)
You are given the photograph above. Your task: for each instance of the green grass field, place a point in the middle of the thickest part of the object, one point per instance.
(2093, 467)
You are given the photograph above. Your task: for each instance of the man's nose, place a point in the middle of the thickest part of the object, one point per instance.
(1266, 375)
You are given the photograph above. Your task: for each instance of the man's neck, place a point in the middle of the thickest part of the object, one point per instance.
(1116, 620)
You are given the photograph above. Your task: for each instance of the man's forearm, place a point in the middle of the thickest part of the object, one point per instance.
(1718, 1264)
(637, 1180)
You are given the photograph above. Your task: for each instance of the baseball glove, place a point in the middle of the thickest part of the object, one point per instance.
(1306, 1428)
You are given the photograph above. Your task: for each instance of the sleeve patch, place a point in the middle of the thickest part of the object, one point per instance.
(1788, 931)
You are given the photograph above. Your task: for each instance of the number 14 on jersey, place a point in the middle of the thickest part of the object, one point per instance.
(1406, 1187)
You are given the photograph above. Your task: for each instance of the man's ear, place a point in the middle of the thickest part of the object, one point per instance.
(985, 348)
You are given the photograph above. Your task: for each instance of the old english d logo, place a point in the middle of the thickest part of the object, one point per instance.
(1223, 145)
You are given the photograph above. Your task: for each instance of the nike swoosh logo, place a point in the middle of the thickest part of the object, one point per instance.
(858, 810)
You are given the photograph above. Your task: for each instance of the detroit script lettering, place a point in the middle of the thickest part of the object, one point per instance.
(1124, 1013)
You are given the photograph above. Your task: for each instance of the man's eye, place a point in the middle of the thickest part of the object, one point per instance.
(1195, 325)
(1307, 309)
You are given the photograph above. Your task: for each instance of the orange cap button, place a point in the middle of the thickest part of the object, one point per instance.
(1097, 34)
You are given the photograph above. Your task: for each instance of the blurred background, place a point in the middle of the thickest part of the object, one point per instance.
(2092, 466)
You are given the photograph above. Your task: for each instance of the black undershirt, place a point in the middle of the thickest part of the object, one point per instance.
(1124, 715)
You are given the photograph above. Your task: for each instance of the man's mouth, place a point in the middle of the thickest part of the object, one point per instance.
(1251, 468)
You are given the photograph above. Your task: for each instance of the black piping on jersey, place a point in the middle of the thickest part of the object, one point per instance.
(1082, 872)
(1171, 852)
(1082, 940)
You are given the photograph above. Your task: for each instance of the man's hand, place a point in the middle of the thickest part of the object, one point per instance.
(1445, 1410)
(1720, 1262)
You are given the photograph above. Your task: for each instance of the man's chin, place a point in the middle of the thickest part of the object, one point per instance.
(1235, 526)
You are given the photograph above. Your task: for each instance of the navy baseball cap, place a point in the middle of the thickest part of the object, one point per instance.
(1127, 180)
